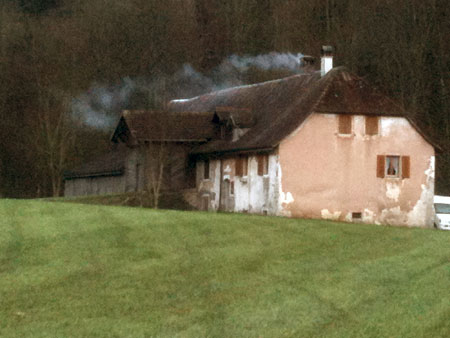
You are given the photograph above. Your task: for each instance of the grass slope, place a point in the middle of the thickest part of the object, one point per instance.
(72, 270)
(167, 200)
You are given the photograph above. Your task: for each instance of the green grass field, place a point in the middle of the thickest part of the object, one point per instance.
(73, 270)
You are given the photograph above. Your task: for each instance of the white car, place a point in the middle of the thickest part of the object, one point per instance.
(442, 208)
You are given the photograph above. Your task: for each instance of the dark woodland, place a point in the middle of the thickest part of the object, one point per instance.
(68, 67)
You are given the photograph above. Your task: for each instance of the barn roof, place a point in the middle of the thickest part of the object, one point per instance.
(142, 125)
(280, 106)
(109, 164)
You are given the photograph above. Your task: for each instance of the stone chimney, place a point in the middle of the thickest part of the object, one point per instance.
(326, 59)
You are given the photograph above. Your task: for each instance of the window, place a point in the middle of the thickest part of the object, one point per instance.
(190, 173)
(232, 188)
(242, 166)
(442, 208)
(345, 124)
(206, 169)
(263, 164)
(393, 166)
(371, 125)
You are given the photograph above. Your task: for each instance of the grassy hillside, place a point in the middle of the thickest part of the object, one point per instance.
(73, 270)
(167, 200)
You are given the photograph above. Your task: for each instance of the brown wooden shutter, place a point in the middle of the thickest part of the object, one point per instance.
(244, 166)
(380, 166)
(345, 124)
(405, 167)
(239, 166)
(260, 160)
(371, 125)
(266, 165)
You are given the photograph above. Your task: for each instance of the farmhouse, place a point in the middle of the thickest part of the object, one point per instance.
(139, 138)
(322, 144)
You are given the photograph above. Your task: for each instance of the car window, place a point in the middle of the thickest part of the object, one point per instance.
(442, 208)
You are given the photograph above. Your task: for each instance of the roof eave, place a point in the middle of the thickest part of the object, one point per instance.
(144, 140)
(118, 172)
(235, 151)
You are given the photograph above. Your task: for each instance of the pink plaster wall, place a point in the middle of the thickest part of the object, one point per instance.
(324, 170)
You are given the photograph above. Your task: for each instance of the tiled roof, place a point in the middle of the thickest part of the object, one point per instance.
(166, 126)
(109, 164)
(280, 106)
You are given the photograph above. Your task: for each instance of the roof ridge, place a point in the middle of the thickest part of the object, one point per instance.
(258, 84)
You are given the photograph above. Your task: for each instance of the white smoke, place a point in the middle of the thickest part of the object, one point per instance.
(269, 61)
(231, 72)
(101, 105)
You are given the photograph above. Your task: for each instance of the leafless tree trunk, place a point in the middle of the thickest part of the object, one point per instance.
(156, 163)
(52, 137)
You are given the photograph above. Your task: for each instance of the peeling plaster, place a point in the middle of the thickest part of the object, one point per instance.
(331, 216)
(285, 198)
(392, 190)
(348, 217)
(368, 216)
(393, 216)
(422, 213)
(253, 193)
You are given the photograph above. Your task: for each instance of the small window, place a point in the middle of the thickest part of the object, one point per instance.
(356, 216)
(345, 124)
(371, 125)
(242, 166)
(392, 166)
(232, 188)
(263, 164)
(206, 169)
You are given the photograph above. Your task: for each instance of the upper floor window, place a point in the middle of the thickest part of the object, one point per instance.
(371, 125)
(263, 164)
(345, 124)
(206, 169)
(242, 166)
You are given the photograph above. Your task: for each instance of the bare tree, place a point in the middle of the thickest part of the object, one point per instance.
(157, 157)
(52, 137)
